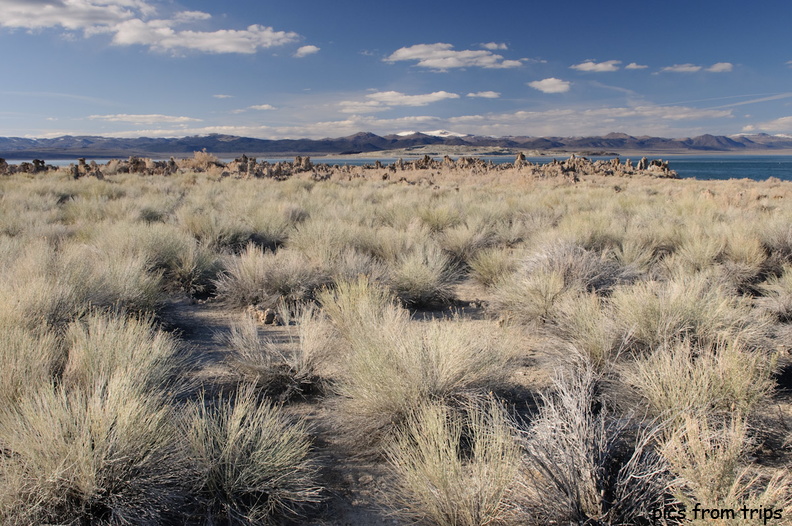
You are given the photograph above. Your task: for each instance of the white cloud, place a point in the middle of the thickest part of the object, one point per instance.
(648, 119)
(69, 14)
(551, 85)
(144, 119)
(257, 107)
(682, 68)
(442, 56)
(789, 63)
(781, 125)
(304, 51)
(598, 67)
(721, 67)
(495, 46)
(484, 95)
(130, 23)
(159, 36)
(383, 100)
(223, 96)
(633, 65)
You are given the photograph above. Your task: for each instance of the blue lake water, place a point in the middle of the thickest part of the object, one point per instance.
(757, 167)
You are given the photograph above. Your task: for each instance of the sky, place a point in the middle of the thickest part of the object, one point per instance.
(321, 68)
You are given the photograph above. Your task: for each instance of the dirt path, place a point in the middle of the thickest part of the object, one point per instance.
(353, 487)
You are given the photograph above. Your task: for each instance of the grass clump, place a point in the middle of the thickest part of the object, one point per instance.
(258, 277)
(456, 468)
(252, 461)
(105, 455)
(282, 369)
(684, 378)
(653, 313)
(585, 464)
(709, 459)
(391, 367)
(423, 277)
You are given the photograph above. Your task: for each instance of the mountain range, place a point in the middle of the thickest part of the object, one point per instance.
(364, 142)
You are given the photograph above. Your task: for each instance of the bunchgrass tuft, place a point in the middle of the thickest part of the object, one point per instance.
(456, 467)
(252, 462)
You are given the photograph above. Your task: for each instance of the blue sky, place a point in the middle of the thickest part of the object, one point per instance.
(318, 68)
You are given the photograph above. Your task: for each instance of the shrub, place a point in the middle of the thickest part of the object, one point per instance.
(456, 469)
(391, 366)
(423, 277)
(102, 346)
(108, 455)
(652, 313)
(277, 368)
(256, 277)
(252, 461)
(586, 464)
(683, 378)
(709, 459)
(532, 292)
(28, 361)
(489, 266)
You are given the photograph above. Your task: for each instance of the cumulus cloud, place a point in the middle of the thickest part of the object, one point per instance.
(682, 68)
(551, 85)
(634, 65)
(597, 67)
(495, 46)
(384, 100)
(304, 51)
(781, 125)
(130, 22)
(441, 56)
(484, 95)
(144, 119)
(721, 67)
(160, 36)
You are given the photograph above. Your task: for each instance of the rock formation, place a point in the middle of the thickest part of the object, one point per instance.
(248, 167)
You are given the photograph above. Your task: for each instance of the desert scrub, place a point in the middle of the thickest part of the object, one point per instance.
(456, 467)
(652, 313)
(584, 463)
(252, 462)
(683, 378)
(709, 458)
(28, 361)
(282, 369)
(105, 455)
(101, 346)
(582, 331)
(391, 366)
(424, 277)
(258, 277)
(777, 295)
(544, 276)
(490, 265)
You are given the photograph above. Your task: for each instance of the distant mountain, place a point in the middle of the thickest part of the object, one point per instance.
(365, 142)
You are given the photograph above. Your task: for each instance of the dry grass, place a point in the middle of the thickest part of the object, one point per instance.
(709, 459)
(252, 462)
(105, 455)
(456, 468)
(664, 298)
(258, 277)
(682, 378)
(586, 464)
(391, 367)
